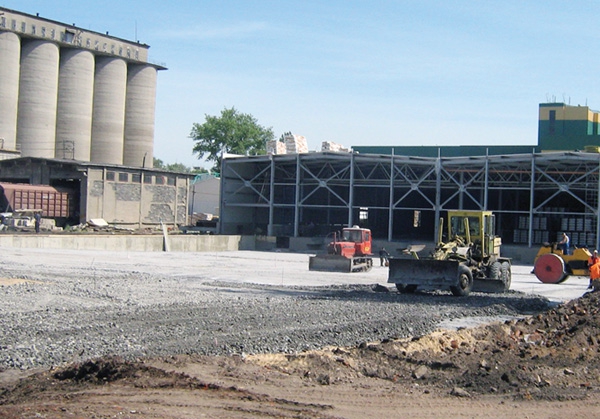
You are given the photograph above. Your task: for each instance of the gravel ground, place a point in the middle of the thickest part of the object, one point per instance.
(59, 306)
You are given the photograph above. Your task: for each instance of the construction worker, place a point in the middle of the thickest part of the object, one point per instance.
(383, 257)
(594, 268)
(565, 243)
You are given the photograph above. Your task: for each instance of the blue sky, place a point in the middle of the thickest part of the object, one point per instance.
(356, 72)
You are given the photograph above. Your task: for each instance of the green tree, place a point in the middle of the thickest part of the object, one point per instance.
(178, 167)
(232, 132)
(158, 163)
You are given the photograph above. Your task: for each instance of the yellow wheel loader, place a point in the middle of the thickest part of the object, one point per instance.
(469, 261)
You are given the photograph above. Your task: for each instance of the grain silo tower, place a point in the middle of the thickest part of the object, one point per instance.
(10, 55)
(75, 99)
(71, 93)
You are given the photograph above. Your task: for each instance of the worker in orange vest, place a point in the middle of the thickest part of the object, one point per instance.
(594, 267)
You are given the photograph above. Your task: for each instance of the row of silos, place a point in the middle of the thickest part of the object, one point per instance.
(63, 102)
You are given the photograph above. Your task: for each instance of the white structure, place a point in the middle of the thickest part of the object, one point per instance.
(70, 93)
(205, 195)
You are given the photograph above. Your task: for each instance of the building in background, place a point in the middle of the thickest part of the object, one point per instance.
(122, 196)
(536, 191)
(77, 117)
(75, 94)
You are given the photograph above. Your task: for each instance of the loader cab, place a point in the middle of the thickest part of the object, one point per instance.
(477, 227)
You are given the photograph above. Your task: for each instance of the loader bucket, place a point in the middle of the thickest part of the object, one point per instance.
(330, 263)
(425, 273)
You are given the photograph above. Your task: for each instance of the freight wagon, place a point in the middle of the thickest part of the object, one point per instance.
(57, 203)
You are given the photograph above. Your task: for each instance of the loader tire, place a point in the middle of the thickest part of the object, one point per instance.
(495, 270)
(406, 289)
(465, 282)
(506, 275)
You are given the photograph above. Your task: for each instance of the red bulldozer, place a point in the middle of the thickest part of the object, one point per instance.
(350, 251)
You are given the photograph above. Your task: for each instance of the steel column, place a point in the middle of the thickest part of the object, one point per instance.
(351, 193)
(391, 203)
(531, 198)
(297, 199)
(271, 198)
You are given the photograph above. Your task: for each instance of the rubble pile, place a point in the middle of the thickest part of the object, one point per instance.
(554, 355)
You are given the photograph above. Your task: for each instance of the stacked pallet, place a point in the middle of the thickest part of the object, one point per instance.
(275, 147)
(295, 144)
(331, 146)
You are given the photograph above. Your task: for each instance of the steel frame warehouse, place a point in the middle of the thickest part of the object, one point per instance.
(534, 195)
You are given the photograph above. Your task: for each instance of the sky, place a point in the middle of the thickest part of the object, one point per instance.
(354, 72)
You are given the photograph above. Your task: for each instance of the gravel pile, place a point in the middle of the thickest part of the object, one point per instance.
(57, 316)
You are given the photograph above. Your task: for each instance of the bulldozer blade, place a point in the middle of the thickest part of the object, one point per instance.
(491, 286)
(330, 263)
(423, 272)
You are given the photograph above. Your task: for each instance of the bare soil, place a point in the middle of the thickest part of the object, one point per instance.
(543, 366)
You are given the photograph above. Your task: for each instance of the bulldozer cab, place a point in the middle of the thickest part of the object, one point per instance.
(360, 238)
(352, 235)
(477, 227)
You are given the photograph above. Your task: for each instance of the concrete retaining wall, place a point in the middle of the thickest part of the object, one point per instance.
(137, 243)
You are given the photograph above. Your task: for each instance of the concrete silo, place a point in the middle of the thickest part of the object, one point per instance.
(139, 116)
(10, 54)
(74, 110)
(38, 90)
(108, 116)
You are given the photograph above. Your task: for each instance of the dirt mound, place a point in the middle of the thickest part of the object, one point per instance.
(552, 356)
(81, 386)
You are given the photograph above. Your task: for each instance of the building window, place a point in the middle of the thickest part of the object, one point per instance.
(123, 177)
(69, 36)
(171, 181)
(363, 214)
(136, 178)
(160, 180)
(416, 219)
(147, 178)
(110, 176)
